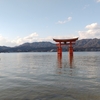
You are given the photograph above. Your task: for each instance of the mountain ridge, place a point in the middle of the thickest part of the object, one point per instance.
(80, 45)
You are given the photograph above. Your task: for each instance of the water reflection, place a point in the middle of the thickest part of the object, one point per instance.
(65, 66)
(59, 60)
(61, 63)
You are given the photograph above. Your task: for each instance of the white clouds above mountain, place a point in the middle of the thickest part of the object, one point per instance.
(34, 37)
(92, 31)
(17, 41)
(4, 41)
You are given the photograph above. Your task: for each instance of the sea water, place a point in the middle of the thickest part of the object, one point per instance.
(45, 76)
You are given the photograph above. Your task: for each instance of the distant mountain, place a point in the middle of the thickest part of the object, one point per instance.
(38, 45)
(4, 48)
(87, 45)
(35, 47)
(81, 45)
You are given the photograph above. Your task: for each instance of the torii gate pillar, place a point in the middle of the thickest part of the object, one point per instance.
(70, 49)
(59, 48)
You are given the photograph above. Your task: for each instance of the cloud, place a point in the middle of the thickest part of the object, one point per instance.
(98, 0)
(65, 21)
(34, 37)
(4, 41)
(92, 31)
(69, 18)
(86, 6)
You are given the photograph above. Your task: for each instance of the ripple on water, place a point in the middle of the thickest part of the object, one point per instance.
(41, 76)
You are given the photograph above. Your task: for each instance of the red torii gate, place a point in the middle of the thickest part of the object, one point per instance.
(69, 42)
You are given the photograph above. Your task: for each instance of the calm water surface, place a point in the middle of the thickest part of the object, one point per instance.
(43, 76)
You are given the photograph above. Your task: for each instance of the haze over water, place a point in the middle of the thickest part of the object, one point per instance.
(43, 76)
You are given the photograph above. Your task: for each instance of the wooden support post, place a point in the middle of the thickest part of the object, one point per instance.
(71, 61)
(59, 51)
(70, 49)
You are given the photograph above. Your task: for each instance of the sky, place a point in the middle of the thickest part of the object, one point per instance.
(24, 21)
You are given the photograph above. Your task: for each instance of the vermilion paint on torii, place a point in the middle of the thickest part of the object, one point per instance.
(69, 42)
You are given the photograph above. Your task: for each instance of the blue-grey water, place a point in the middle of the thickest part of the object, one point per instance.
(43, 76)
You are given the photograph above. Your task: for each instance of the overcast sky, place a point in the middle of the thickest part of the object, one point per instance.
(41, 20)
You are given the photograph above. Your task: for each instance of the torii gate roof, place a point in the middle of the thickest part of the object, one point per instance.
(66, 40)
